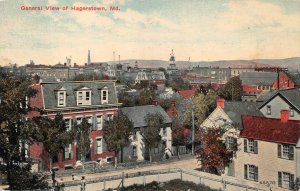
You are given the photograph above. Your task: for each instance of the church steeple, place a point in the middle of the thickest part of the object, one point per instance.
(89, 58)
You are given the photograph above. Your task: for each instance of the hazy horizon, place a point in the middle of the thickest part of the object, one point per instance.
(148, 30)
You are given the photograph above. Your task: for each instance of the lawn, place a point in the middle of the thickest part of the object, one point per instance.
(173, 185)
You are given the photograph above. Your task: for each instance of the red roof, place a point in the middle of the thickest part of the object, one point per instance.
(269, 129)
(186, 94)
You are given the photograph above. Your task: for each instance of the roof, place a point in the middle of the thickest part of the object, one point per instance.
(137, 114)
(266, 96)
(295, 77)
(258, 78)
(235, 110)
(50, 92)
(270, 129)
(187, 94)
(292, 96)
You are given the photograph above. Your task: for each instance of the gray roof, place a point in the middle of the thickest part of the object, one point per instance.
(50, 92)
(137, 114)
(266, 96)
(182, 106)
(292, 96)
(235, 110)
(295, 77)
(258, 78)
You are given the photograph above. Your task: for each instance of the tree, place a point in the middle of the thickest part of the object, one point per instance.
(16, 130)
(53, 134)
(202, 105)
(213, 153)
(89, 77)
(116, 133)
(82, 137)
(178, 134)
(146, 97)
(232, 90)
(179, 84)
(151, 133)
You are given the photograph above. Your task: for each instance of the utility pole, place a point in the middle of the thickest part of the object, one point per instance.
(193, 131)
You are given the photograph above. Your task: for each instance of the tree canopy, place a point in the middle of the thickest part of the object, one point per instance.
(232, 90)
(117, 132)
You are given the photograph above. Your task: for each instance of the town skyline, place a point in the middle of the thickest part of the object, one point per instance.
(201, 31)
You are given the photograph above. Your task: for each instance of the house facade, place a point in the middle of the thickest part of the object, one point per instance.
(96, 101)
(137, 150)
(269, 153)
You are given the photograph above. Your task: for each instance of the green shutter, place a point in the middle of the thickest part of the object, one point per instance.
(245, 146)
(227, 142)
(279, 179)
(279, 150)
(95, 146)
(291, 153)
(245, 171)
(72, 151)
(94, 121)
(256, 174)
(255, 147)
(292, 183)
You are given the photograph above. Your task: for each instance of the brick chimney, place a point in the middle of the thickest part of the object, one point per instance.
(284, 115)
(220, 102)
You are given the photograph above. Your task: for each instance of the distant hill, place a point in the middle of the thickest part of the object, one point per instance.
(290, 63)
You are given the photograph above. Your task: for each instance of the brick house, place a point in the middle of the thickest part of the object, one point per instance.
(96, 101)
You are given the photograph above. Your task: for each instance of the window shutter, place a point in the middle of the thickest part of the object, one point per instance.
(246, 171)
(255, 147)
(94, 126)
(256, 174)
(95, 146)
(292, 184)
(245, 145)
(279, 150)
(72, 151)
(227, 142)
(280, 179)
(291, 153)
(104, 146)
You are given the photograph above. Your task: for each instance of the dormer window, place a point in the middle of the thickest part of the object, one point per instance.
(104, 95)
(61, 101)
(84, 96)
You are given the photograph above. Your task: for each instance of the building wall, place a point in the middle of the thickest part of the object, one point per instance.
(284, 82)
(277, 104)
(266, 160)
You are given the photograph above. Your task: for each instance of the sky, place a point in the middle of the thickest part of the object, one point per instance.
(202, 30)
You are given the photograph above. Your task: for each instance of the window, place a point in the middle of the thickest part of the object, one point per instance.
(134, 151)
(250, 146)
(84, 98)
(286, 151)
(78, 120)
(99, 145)
(268, 110)
(61, 99)
(292, 112)
(285, 180)
(89, 120)
(251, 172)
(109, 117)
(231, 142)
(68, 152)
(99, 122)
(68, 124)
(104, 96)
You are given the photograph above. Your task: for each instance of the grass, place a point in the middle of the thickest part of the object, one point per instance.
(173, 185)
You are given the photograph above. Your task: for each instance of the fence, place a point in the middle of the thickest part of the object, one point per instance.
(164, 175)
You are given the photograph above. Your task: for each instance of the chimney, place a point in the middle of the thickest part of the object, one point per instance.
(284, 115)
(221, 102)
